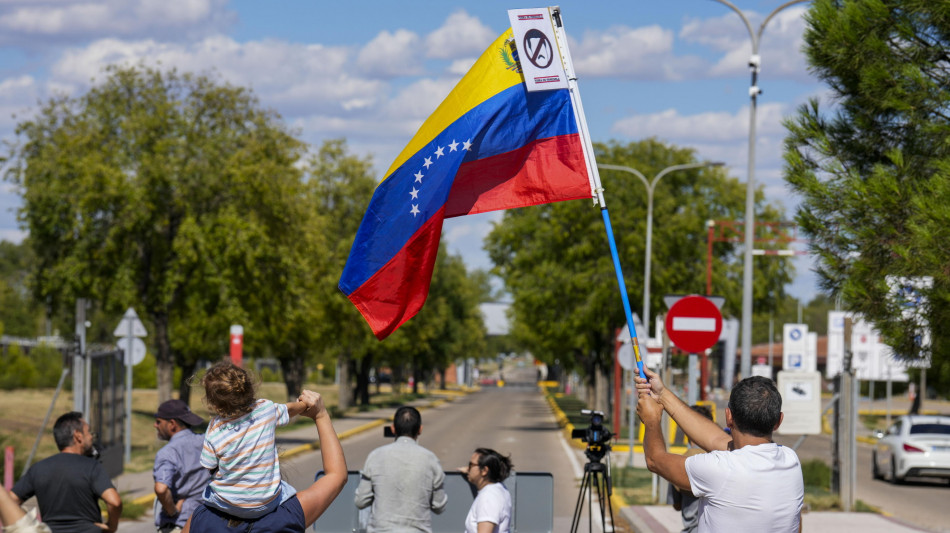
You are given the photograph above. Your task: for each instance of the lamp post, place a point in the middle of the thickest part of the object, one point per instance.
(754, 62)
(651, 185)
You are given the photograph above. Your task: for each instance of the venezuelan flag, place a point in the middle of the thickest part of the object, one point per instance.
(490, 145)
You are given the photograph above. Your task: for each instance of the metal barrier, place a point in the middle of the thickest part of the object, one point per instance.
(532, 500)
(106, 408)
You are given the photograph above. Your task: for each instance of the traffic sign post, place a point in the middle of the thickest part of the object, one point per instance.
(129, 330)
(694, 324)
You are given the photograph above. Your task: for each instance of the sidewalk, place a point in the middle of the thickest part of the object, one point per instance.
(139, 486)
(663, 519)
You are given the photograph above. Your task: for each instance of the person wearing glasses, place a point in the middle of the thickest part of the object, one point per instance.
(402, 481)
(491, 510)
(69, 485)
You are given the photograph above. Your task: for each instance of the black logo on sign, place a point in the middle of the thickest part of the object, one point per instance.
(538, 48)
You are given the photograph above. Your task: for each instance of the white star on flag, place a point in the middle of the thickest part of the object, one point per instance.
(453, 146)
(414, 193)
(414, 210)
(418, 176)
(428, 163)
(467, 145)
(440, 152)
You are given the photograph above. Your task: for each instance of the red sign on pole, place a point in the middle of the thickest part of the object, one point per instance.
(694, 324)
(237, 345)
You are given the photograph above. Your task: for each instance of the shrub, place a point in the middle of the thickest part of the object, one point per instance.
(816, 473)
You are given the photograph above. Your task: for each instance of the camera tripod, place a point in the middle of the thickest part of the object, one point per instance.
(596, 474)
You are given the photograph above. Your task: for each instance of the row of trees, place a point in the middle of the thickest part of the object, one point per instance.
(186, 199)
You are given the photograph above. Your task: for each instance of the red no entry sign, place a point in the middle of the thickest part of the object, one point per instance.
(694, 324)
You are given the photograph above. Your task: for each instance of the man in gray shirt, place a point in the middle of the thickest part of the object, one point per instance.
(403, 481)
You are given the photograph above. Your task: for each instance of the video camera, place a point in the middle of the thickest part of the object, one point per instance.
(595, 435)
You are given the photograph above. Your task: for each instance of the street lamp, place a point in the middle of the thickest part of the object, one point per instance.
(754, 62)
(651, 185)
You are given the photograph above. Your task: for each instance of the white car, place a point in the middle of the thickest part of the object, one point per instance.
(914, 446)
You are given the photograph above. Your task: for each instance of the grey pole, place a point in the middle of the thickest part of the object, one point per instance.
(754, 61)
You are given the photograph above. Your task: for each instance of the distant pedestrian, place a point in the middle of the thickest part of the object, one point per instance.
(745, 482)
(491, 511)
(402, 481)
(69, 485)
(180, 480)
(681, 499)
(239, 446)
(16, 520)
(301, 510)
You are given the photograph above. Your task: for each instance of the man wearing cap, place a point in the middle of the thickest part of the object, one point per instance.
(179, 476)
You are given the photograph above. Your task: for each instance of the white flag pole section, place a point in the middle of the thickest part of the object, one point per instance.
(598, 189)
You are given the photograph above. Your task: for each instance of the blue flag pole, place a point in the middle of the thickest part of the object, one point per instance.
(623, 290)
(596, 188)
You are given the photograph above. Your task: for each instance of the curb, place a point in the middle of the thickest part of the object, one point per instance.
(315, 445)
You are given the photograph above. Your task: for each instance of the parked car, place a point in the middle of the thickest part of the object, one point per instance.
(914, 446)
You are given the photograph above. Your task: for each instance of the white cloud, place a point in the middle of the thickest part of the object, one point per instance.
(420, 99)
(391, 55)
(645, 53)
(40, 22)
(461, 35)
(779, 48)
(708, 127)
(296, 78)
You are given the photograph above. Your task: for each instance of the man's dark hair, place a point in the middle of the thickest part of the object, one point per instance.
(497, 464)
(407, 422)
(756, 406)
(703, 410)
(64, 428)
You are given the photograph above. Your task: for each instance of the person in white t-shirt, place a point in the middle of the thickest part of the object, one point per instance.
(491, 510)
(746, 481)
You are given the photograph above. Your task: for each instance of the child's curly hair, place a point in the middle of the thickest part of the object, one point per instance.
(229, 390)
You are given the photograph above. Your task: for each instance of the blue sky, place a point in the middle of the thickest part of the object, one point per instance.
(372, 71)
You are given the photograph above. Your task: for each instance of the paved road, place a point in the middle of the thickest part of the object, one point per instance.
(919, 502)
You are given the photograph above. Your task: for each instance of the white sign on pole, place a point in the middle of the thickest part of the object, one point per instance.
(811, 351)
(626, 355)
(130, 319)
(794, 341)
(863, 347)
(801, 402)
(835, 350)
(135, 353)
(537, 49)
(909, 294)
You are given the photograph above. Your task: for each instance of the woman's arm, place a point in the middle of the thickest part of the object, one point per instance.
(317, 497)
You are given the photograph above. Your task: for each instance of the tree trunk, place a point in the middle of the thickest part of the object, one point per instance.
(293, 370)
(184, 386)
(164, 362)
(343, 377)
(362, 378)
(442, 378)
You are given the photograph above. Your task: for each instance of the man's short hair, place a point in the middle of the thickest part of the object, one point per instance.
(407, 422)
(64, 428)
(703, 410)
(756, 406)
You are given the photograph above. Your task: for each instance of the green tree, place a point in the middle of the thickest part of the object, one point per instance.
(872, 169)
(340, 186)
(555, 261)
(161, 191)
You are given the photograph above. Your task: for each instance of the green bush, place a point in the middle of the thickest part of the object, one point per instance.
(816, 473)
(18, 370)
